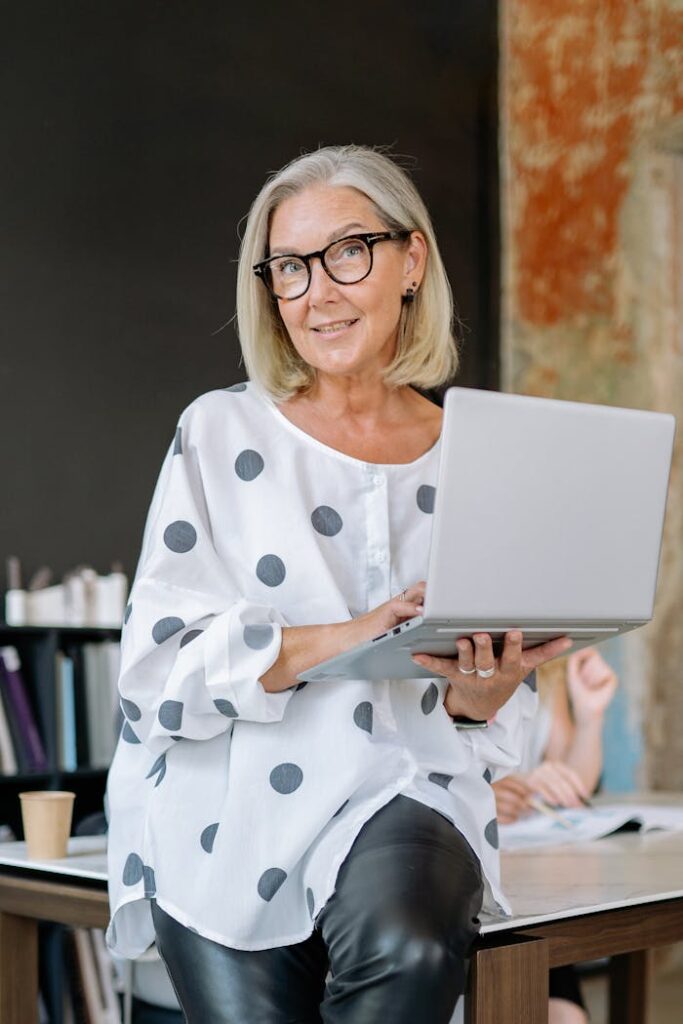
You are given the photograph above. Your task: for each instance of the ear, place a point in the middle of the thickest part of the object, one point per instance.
(415, 261)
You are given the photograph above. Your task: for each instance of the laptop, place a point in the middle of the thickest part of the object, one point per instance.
(548, 519)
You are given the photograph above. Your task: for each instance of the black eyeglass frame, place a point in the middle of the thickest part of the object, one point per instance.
(370, 238)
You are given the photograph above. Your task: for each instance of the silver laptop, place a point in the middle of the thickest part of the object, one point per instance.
(548, 518)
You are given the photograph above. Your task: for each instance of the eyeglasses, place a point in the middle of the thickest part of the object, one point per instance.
(347, 261)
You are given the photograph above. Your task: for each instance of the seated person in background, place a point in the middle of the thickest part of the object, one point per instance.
(562, 765)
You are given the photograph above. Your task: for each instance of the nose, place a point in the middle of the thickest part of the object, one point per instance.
(322, 286)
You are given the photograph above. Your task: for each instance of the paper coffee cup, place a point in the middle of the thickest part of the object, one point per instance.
(46, 815)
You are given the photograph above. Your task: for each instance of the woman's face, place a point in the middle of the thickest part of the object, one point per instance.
(344, 329)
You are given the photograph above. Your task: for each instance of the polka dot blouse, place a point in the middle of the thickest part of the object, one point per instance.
(235, 807)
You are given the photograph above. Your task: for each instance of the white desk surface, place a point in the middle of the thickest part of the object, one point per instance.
(86, 858)
(542, 885)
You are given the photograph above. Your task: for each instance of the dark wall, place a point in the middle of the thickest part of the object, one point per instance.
(135, 137)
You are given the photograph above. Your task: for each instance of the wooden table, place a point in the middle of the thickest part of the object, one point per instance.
(72, 892)
(618, 897)
(615, 897)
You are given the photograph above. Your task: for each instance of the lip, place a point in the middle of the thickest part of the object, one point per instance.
(344, 325)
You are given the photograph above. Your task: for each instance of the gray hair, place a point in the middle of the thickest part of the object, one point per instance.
(426, 353)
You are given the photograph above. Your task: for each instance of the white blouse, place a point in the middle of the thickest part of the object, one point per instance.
(235, 807)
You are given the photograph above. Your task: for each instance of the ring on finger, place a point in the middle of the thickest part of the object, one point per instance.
(402, 595)
(466, 671)
(486, 673)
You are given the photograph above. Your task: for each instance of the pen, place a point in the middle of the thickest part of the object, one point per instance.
(543, 808)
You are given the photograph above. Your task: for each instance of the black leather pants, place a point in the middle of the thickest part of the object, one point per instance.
(395, 936)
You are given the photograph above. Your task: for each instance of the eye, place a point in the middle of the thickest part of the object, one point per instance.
(288, 267)
(352, 249)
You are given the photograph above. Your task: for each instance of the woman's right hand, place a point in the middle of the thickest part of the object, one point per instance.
(303, 646)
(388, 615)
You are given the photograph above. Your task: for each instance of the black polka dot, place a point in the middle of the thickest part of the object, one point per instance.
(237, 387)
(425, 497)
(180, 536)
(340, 809)
(269, 882)
(530, 681)
(310, 901)
(286, 777)
(189, 636)
(326, 521)
(491, 833)
(177, 738)
(258, 635)
(248, 464)
(440, 779)
(171, 715)
(429, 699)
(487, 775)
(131, 710)
(128, 612)
(127, 733)
(150, 882)
(178, 442)
(158, 766)
(300, 686)
(133, 869)
(271, 570)
(165, 628)
(208, 836)
(362, 715)
(226, 708)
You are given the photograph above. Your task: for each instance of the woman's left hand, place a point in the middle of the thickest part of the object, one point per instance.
(479, 697)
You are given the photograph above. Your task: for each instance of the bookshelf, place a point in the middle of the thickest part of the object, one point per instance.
(39, 649)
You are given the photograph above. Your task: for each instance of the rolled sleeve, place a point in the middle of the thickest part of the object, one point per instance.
(193, 647)
(237, 655)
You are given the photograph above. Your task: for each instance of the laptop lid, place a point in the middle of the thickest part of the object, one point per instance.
(547, 511)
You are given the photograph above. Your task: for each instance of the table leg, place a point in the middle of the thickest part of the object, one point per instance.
(508, 983)
(18, 969)
(629, 988)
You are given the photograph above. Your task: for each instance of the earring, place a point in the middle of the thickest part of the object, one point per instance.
(410, 293)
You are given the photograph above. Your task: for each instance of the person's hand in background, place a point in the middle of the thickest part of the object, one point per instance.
(553, 782)
(557, 784)
(511, 795)
(591, 684)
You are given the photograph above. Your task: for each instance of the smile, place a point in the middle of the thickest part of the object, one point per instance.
(334, 328)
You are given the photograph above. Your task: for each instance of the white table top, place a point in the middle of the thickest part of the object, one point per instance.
(86, 858)
(619, 871)
(542, 885)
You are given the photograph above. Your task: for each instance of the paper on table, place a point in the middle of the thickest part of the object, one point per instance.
(587, 823)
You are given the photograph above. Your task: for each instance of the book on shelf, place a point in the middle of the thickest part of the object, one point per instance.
(107, 974)
(72, 720)
(75, 653)
(65, 712)
(95, 993)
(8, 759)
(28, 744)
(100, 713)
(87, 706)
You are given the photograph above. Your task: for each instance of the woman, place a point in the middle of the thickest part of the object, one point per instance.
(562, 763)
(280, 831)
